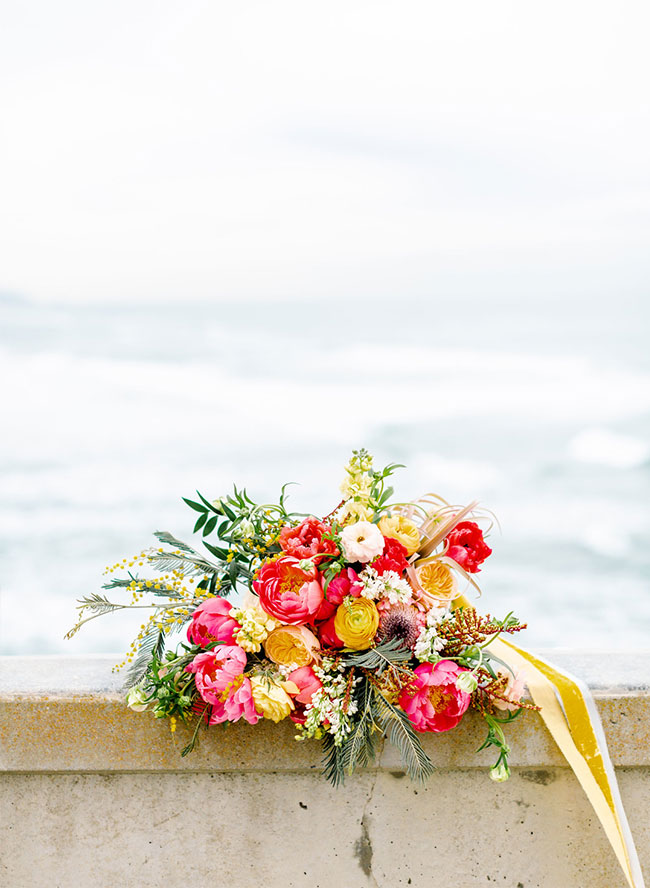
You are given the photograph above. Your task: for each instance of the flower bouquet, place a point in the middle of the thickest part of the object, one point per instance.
(354, 625)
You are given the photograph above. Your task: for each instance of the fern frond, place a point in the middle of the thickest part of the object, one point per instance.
(98, 604)
(166, 561)
(386, 653)
(169, 540)
(333, 761)
(359, 748)
(396, 725)
(153, 644)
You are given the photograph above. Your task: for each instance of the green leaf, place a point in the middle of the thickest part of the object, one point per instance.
(200, 521)
(210, 525)
(196, 506)
(170, 540)
(228, 512)
(208, 504)
(222, 554)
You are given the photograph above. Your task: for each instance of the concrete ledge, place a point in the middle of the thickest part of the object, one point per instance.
(68, 714)
(94, 795)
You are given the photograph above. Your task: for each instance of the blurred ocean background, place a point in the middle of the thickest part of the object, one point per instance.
(539, 408)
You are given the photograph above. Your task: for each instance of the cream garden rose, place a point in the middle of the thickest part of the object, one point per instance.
(270, 699)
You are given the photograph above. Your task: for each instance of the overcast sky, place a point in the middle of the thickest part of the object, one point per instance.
(210, 150)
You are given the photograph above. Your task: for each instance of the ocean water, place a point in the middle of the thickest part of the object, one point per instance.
(539, 408)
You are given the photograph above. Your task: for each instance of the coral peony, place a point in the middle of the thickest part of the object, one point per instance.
(238, 704)
(211, 622)
(306, 540)
(403, 530)
(287, 592)
(362, 542)
(356, 622)
(292, 646)
(433, 701)
(465, 544)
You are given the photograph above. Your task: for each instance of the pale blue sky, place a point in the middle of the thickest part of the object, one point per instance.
(208, 150)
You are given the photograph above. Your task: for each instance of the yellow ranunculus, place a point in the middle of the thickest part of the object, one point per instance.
(293, 646)
(403, 530)
(438, 580)
(270, 700)
(356, 622)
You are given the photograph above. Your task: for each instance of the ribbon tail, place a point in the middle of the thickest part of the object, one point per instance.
(570, 714)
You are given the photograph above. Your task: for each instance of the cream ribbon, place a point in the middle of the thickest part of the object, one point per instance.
(570, 714)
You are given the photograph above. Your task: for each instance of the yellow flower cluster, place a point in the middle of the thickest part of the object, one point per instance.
(356, 488)
(255, 627)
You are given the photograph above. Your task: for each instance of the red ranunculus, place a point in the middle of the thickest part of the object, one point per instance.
(392, 558)
(287, 592)
(306, 540)
(465, 544)
(327, 634)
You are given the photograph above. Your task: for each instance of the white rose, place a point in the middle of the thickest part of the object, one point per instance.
(362, 541)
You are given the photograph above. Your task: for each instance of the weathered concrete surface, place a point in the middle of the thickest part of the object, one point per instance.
(94, 796)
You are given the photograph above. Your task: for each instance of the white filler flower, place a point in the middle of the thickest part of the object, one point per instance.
(362, 541)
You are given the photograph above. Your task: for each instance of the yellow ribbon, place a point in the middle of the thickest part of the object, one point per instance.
(570, 714)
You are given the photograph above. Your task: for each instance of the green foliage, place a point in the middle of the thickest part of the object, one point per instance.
(333, 763)
(386, 653)
(358, 750)
(151, 646)
(396, 725)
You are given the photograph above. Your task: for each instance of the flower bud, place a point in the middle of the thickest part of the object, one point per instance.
(136, 699)
(500, 773)
(467, 682)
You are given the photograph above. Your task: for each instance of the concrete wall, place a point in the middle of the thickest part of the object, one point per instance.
(94, 795)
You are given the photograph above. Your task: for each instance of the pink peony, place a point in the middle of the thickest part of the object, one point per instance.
(306, 540)
(220, 680)
(211, 622)
(238, 704)
(433, 702)
(287, 592)
(344, 583)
